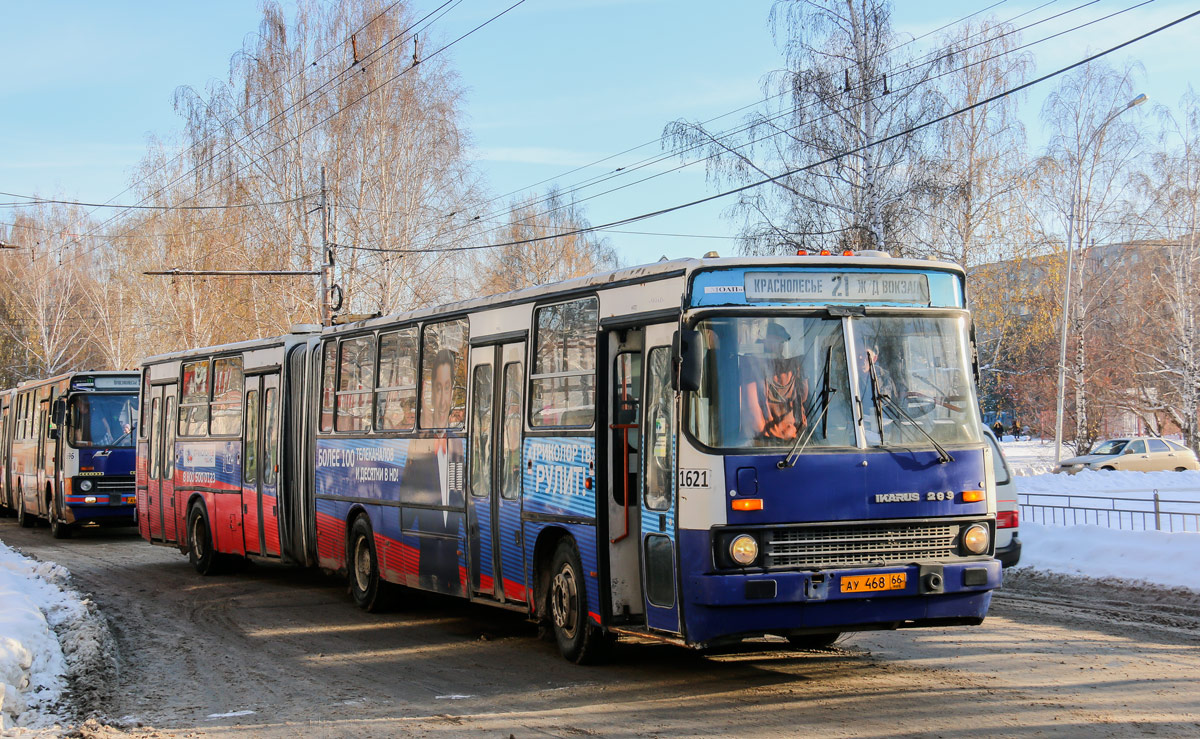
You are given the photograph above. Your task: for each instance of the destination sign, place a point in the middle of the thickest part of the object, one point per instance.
(837, 287)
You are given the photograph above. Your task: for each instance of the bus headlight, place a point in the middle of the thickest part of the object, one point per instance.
(975, 538)
(85, 485)
(743, 549)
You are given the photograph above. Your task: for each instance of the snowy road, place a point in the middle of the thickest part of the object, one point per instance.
(276, 651)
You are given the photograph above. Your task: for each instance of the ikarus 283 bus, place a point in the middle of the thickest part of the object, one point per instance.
(697, 451)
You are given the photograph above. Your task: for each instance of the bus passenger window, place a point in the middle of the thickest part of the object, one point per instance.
(356, 384)
(328, 377)
(444, 375)
(193, 402)
(227, 396)
(396, 396)
(563, 380)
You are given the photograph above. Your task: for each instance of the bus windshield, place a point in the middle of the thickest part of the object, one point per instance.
(771, 382)
(103, 420)
(783, 382)
(915, 380)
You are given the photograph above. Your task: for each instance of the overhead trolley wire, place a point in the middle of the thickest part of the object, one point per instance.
(797, 170)
(353, 102)
(495, 216)
(291, 107)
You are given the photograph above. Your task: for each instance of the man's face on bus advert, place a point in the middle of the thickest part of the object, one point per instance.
(443, 393)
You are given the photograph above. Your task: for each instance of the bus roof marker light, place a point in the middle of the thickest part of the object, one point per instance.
(711, 255)
(802, 252)
(826, 253)
(746, 504)
(847, 252)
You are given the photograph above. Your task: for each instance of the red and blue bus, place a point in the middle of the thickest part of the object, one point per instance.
(67, 450)
(697, 451)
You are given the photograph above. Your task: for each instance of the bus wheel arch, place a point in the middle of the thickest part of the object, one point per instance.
(543, 554)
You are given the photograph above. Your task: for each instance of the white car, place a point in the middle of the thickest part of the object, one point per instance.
(1008, 543)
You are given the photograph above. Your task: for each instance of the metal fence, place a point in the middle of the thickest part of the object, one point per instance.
(1121, 509)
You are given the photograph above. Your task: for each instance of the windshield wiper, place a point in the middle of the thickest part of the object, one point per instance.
(803, 439)
(943, 455)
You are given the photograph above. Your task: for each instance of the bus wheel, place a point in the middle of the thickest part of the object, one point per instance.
(369, 591)
(60, 529)
(200, 548)
(578, 639)
(813, 641)
(24, 520)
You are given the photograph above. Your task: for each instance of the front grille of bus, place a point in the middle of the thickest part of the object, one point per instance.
(861, 545)
(117, 485)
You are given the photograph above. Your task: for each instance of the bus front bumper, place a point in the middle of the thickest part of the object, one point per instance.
(933, 594)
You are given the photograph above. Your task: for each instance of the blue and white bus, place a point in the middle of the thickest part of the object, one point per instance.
(698, 451)
(67, 450)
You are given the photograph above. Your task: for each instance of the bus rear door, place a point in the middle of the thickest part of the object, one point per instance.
(260, 466)
(494, 473)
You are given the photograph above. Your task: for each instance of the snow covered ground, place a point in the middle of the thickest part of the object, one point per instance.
(47, 632)
(1105, 551)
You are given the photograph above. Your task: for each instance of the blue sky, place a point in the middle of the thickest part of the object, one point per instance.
(552, 85)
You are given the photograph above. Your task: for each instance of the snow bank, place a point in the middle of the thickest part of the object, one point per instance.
(1030, 456)
(47, 632)
(1155, 557)
(1121, 483)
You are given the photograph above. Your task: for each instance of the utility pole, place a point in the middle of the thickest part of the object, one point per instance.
(326, 255)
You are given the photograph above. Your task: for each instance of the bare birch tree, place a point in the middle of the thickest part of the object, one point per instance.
(845, 88)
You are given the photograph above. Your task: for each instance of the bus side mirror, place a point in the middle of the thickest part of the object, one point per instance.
(687, 355)
(59, 413)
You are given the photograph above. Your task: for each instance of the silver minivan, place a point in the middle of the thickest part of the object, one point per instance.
(1008, 544)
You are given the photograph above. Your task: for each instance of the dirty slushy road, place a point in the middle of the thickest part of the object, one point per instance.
(277, 651)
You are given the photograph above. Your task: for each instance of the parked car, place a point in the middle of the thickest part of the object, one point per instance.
(1008, 543)
(1139, 453)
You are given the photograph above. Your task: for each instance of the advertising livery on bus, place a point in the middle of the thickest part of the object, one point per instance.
(697, 451)
(67, 450)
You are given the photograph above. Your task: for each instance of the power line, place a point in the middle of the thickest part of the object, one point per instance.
(261, 98)
(347, 106)
(720, 137)
(238, 142)
(717, 138)
(797, 170)
(34, 200)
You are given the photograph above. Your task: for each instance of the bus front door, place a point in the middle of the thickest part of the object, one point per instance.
(494, 474)
(658, 537)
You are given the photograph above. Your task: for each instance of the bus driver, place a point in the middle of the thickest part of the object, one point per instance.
(774, 400)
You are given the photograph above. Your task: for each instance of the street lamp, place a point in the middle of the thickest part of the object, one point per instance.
(1066, 311)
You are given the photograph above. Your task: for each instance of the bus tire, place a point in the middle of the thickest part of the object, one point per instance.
(59, 528)
(368, 589)
(24, 520)
(579, 640)
(813, 641)
(200, 547)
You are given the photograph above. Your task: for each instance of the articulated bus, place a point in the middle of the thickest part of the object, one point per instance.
(67, 450)
(697, 451)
